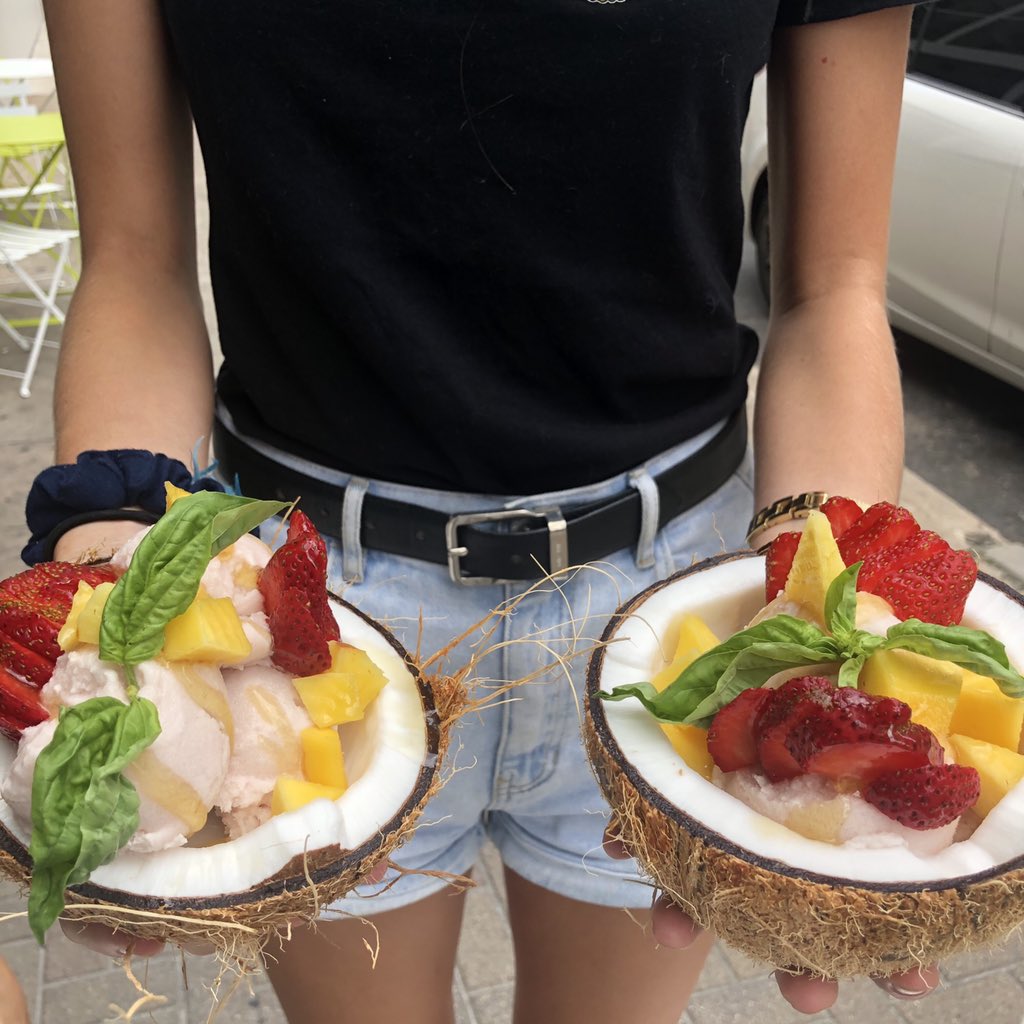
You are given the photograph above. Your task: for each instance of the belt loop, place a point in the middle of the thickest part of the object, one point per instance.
(642, 481)
(351, 526)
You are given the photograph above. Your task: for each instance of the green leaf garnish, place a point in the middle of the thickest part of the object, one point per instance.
(751, 657)
(83, 809)
(163, 577)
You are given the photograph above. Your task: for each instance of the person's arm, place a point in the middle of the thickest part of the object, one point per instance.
(829, 414)
(135, 366)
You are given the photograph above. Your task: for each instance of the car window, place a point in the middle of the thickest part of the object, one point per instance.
(977, 45)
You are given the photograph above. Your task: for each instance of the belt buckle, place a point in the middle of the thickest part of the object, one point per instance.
(558, 542)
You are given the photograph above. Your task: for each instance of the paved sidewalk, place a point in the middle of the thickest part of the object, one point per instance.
(66, 984)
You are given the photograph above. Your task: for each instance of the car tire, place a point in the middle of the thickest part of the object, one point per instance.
(761, 242)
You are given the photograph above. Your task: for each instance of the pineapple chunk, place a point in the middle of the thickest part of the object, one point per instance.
(67, 635)
(92, 614)
(208, 630)
(816, 564)
(986, 713)
(930, 687)
(1000, 769)
(691, 744)
(322, 759)
(290, 794)
(695, 638)
(173, 494)
(343, 692)
(356, 663)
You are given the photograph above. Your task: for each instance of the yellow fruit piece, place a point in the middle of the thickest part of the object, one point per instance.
(290, 794)
(343, 692)
(173, 494)
(92, 614)
(694, 639)
(67, 635)
(322, 759)
(691, 744)
(986, 713)
(816, 564)
(1000, 769)
(930, 687)
(208, 630)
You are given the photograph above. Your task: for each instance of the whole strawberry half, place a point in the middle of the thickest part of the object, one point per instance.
(294, 589)
(927, 797)
(932, 590)
(33, 606)
(841, 513)
(880, 526)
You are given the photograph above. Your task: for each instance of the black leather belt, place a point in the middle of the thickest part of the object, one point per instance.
(506, 545)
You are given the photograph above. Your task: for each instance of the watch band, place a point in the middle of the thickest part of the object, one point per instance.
(793, 506)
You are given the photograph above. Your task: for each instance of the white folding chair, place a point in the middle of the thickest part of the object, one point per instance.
(19, 242)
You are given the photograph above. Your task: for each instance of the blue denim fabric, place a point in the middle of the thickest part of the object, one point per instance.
(518, 771)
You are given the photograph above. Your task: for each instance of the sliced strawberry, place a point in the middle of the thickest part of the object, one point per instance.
(841, 514)
(778, 561)
(778, 716)
(300, 646)
(917, 548)
(880, 526)
(731, 741)
(861, 763)
(33, 607)
(848, 716)
(926, 797)
(20, 706)
(933, 590)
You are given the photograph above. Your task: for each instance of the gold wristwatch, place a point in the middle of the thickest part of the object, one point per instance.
(794, 506)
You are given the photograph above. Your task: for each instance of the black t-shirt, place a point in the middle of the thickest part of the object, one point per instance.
(484, 245)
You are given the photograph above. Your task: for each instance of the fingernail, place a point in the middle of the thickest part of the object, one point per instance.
(904, 992)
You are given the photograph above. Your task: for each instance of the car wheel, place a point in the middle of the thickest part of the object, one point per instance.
(764, 260)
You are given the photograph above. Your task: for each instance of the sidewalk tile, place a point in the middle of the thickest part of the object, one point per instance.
(485, 955)
(994, 999)
(751, 1002)
(493, 1005)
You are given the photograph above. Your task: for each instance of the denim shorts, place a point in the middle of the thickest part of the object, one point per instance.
(517, 771)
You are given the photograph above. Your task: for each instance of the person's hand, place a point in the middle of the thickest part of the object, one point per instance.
(118, 945)
(807, 993)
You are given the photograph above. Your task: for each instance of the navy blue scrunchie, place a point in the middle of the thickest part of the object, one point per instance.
(101, 486)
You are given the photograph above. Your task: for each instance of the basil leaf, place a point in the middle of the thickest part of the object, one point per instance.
(841, 604)
(849, 671)
(163, 577)
(781, 641)
(83, 809)
(972, 648)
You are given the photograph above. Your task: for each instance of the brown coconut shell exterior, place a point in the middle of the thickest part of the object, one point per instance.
(790, 918)
(238, 923)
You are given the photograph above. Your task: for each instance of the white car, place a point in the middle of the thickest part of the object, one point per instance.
(956, 253)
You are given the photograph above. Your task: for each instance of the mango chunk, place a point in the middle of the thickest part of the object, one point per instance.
(694, 639)
(986, 713)
(1000, 769)
(322, 759)
(816, 564)
(82, 625)
(290, 794)
(930, 687)
(343, 692)
(691, 744)
(173, 494)
(208, 630)
(67, 635)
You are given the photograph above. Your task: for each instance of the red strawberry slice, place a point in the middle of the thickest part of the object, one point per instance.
(20, 706)
(933, 590)
(848, 716)
(861, 763)
(33, 607)
(841, 514)
(778, 716)
(731, 741)
(778, 562)
(294, 589)
(917, 548)
(926, 797)
(880, 526)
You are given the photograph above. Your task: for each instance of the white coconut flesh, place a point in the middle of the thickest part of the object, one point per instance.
(726, 595)
(387, 762)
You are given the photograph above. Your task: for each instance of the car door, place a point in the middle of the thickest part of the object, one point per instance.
(960, 150)
(1007, 339)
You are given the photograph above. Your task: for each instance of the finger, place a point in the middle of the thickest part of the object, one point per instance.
(108, 942)
(911, 985)
(376, 874)
(612, 843)
(671, 925)
(806, 993)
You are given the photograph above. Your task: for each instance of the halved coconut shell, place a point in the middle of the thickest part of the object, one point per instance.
(235, 893)
(792, 902)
